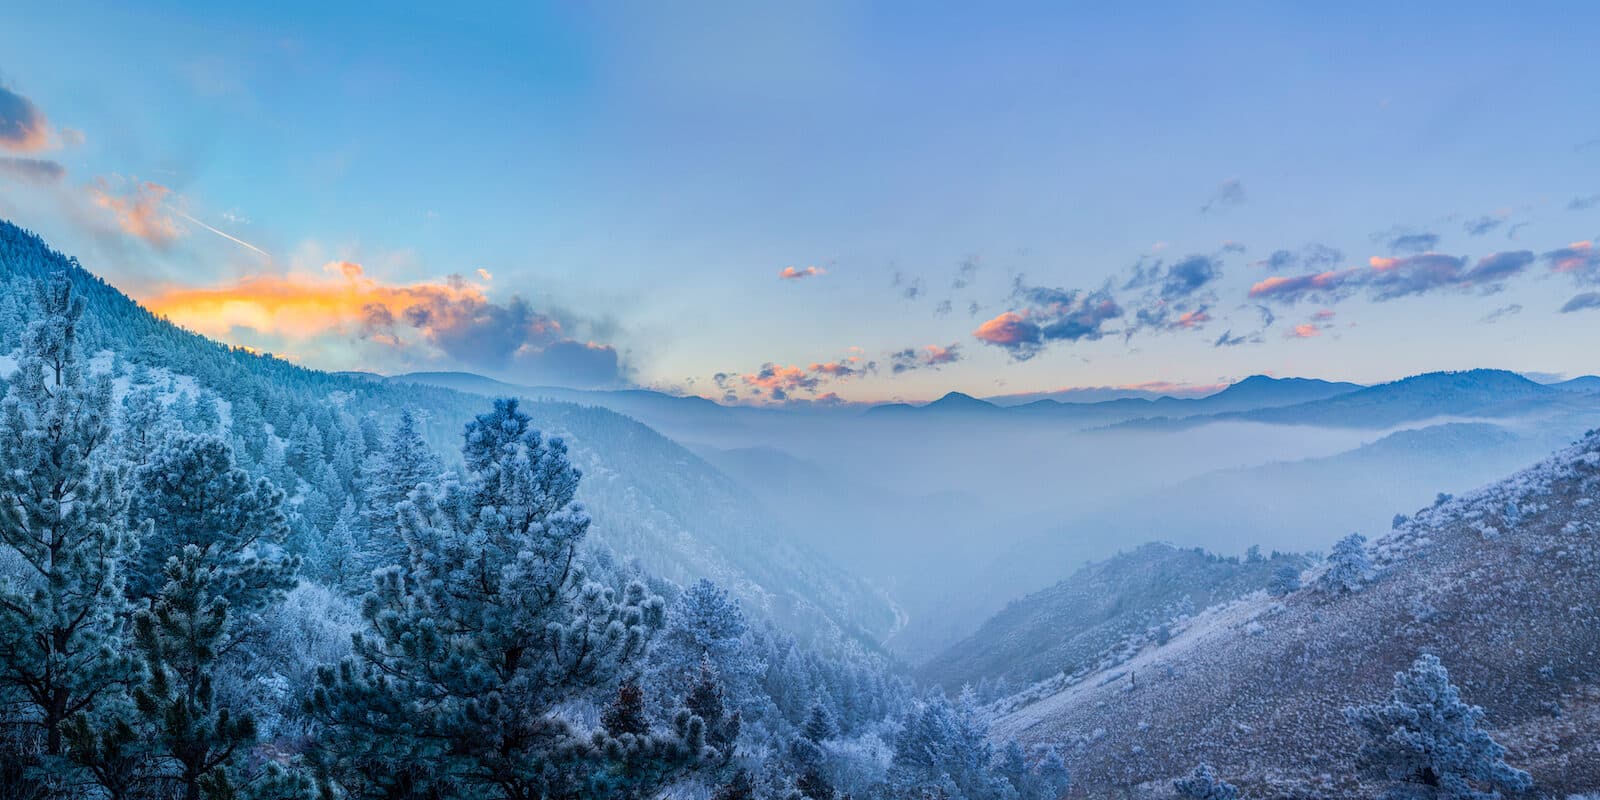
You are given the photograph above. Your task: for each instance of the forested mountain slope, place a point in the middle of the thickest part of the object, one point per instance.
(1499, 584)
(652, 500)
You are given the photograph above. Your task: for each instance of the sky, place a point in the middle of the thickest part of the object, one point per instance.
(829, 202)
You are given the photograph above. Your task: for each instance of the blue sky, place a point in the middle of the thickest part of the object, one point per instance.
(632, 178)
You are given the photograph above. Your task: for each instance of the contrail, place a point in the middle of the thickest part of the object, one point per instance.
(236, 240)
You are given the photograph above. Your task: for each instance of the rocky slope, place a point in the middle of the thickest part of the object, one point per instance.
(1500, 584)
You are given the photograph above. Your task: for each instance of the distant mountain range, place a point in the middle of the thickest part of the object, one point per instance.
(1254, 392)
(1481, 393)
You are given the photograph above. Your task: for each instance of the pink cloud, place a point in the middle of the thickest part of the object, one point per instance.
(792, 274)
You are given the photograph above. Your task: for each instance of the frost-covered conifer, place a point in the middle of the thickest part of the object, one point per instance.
(209, 563)
(402, 466)
(705, 624)
(61, 514)
(1348, 569)
(474, 645)
(1285, 579)
(1426, 740)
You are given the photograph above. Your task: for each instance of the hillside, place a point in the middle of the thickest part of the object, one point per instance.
(1498, 583)
(1075, 622)
(652, 500)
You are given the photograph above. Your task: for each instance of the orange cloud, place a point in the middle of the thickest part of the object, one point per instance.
(1190, 320)
(1279, 285)
(1575, 257)
(1009, 328)
(300, 306)
(792, 274)
(1304, 330)
(141, 212)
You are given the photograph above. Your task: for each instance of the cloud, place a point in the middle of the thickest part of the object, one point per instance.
(1229, 193)
(1478, 226)
(1189, 276)
(1581, 302)
(910, 288)
(1049, 315)
(32, 170)
(1580, 260)
(1400, 277)
(1584, 203)
(23, 127)
(792, 274)
(450, 321)
(926, 357)
(1313, 256)
(139, 209)
(1502, 312)
(1304, 330)
(1388, 278)
(966, 272)
(1228, 339)
(1411, 242)
(1013, 332)
(1327, 284)
(1497, 267)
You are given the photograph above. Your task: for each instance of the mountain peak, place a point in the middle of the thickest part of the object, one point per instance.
(960, 400)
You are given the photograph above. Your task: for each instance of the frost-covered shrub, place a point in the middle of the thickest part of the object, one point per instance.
(1203, 784)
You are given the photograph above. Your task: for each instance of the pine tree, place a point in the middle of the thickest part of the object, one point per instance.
(706, 701)
(1427, 740)
(625, 714)
(191, 493)
(303, 448)
(61, 515)
(403, 466)
(1203, 784)
(943, 747)
(217, 536)
(493, 624)
(706, 624)
(1348, 569)
(1045, 779)
(140, 424)
(1285, 580)
(739, 787)
(818, 726)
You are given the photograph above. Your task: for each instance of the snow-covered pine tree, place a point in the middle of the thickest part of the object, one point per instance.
(818, 726)
(192, 494)
(707, 700)
(139, 424)
(1426, 740)
(61, 517)
(943, 748)
(403, 465)
(705, 623)
(1204, 784)
(210, 561)
(1348, 569)
(1285, 579)
(1046, 778)
(491, 627)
